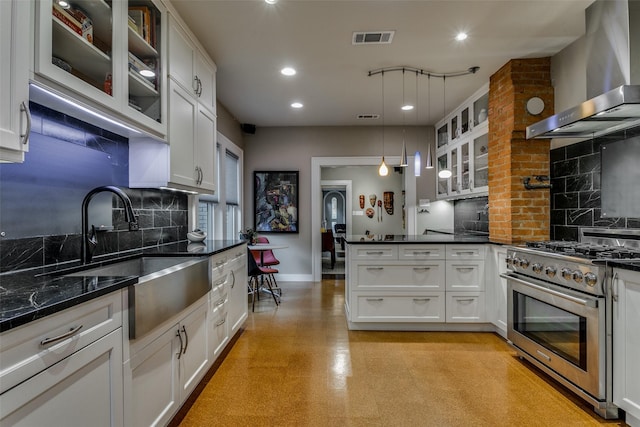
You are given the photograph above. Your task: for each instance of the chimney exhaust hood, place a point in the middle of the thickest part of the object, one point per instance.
(612, 43)
(616, 110)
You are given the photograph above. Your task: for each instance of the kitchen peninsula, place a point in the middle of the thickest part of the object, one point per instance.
(423, 282)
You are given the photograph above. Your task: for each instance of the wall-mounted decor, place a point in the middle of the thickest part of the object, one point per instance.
(372, 199)
(361, 200)
(275, 201)
(388, 202)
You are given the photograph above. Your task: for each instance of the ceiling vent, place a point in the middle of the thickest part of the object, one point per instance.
(368, 116)
(372, 37)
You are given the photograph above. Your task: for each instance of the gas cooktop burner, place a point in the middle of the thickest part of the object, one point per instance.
(586, 250)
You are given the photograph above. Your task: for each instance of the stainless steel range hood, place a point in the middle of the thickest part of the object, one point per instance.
(613, 111)
(612, 49)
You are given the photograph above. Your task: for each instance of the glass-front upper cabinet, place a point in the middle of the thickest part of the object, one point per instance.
(144, 61)
(481, 161)
(480, 109)
(465, 166)
(76, 45)
(443, 183)
(442, 135)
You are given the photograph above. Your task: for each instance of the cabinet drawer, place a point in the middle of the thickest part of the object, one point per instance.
(219, 330)
(465, 275)
(465, 307)
(373, 252)
(421, 252)
(465, 252)
(23, 354)
(219, 296)
(425, 307)
(427, 275)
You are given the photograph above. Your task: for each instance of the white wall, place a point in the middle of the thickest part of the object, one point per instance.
(438, 217)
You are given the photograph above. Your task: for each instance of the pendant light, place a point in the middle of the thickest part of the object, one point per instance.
(444, 173)
(429, 163)
(383, 170)
(403, 156)
(417, 161)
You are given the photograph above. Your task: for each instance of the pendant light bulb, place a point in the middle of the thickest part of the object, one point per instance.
(416, 164)
(403, 157)
(383, 170)
(429, 160)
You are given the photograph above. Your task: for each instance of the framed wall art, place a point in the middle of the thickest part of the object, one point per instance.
(275, 201)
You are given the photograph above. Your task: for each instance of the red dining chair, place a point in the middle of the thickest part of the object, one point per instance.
(257, 276)
(268, 257)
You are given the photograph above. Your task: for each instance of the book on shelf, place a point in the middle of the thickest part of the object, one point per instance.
(67, 19)
(133, 25)
(144, 18)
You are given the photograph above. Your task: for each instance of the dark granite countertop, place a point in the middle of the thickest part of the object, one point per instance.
(422, 238)
(32, 294)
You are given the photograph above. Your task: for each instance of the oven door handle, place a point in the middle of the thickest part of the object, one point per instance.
(586, 302)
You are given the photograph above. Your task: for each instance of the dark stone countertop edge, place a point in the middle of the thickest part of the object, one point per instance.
(19, 291)
(416, 239)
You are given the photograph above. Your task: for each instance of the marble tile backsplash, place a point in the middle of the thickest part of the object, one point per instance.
(575, 195)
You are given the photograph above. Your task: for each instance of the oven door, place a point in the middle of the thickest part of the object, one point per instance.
(562, 329)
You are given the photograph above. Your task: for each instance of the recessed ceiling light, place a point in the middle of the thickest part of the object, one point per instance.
(297, 105)
(461, 36)
(407, 107)
(271, 1)
(147, 73)
(288, 71)
(64, 4)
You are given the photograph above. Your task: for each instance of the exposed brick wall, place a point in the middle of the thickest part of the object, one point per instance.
(517, 215)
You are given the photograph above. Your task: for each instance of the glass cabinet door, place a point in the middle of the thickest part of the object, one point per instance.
(455, 132)
(481, 109)
(443, 136)
(481, 161)
(76, 45)
(443, 183)
(464, 168)
(464, 118)
(454, 170)
(144, 61)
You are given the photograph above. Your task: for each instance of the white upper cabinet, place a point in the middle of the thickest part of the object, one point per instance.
(190, 68)
(106, 55)
(15, 120)
(463, 148)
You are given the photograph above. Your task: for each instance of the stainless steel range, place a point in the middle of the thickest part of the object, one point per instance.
(559, 309)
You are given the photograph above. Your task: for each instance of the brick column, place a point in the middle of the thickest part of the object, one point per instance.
(517, 215)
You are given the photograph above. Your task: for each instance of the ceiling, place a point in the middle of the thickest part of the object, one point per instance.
(250, 41)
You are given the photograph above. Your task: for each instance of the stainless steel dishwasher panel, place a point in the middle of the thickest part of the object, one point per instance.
(165, 293)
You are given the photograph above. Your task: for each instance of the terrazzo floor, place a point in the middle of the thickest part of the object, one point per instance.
(299, 365)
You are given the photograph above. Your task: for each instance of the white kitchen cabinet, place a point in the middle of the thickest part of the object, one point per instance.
(496, 288)
(99, 70)
(238, 296)
(167, 365)
(462, 148)
(221, 278)
(415, 285)
(65, 369)
(15, 119)
(190, 68)
(626, 343)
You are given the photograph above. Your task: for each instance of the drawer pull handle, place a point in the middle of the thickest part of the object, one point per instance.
(220, 282)
(465, 300)
(186, 340)
(375, 299)
(221, 322)
(421, 252)
(375, 268)
(421, 268)
(179, 335)
(421, 299)
(375, 252)
(220, 302)
(465, 253)
(233, 276)
(72, 331)
(464, 269)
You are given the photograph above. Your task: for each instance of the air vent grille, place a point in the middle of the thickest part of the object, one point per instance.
(372, 37)
(368, 116)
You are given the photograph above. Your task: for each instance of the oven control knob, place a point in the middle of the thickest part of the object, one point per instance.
(515, 262)
(550, 271)
(591, 279)
(509, 260)
(566, 273)
(578, 276)
(537, 268)
(524, 263)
